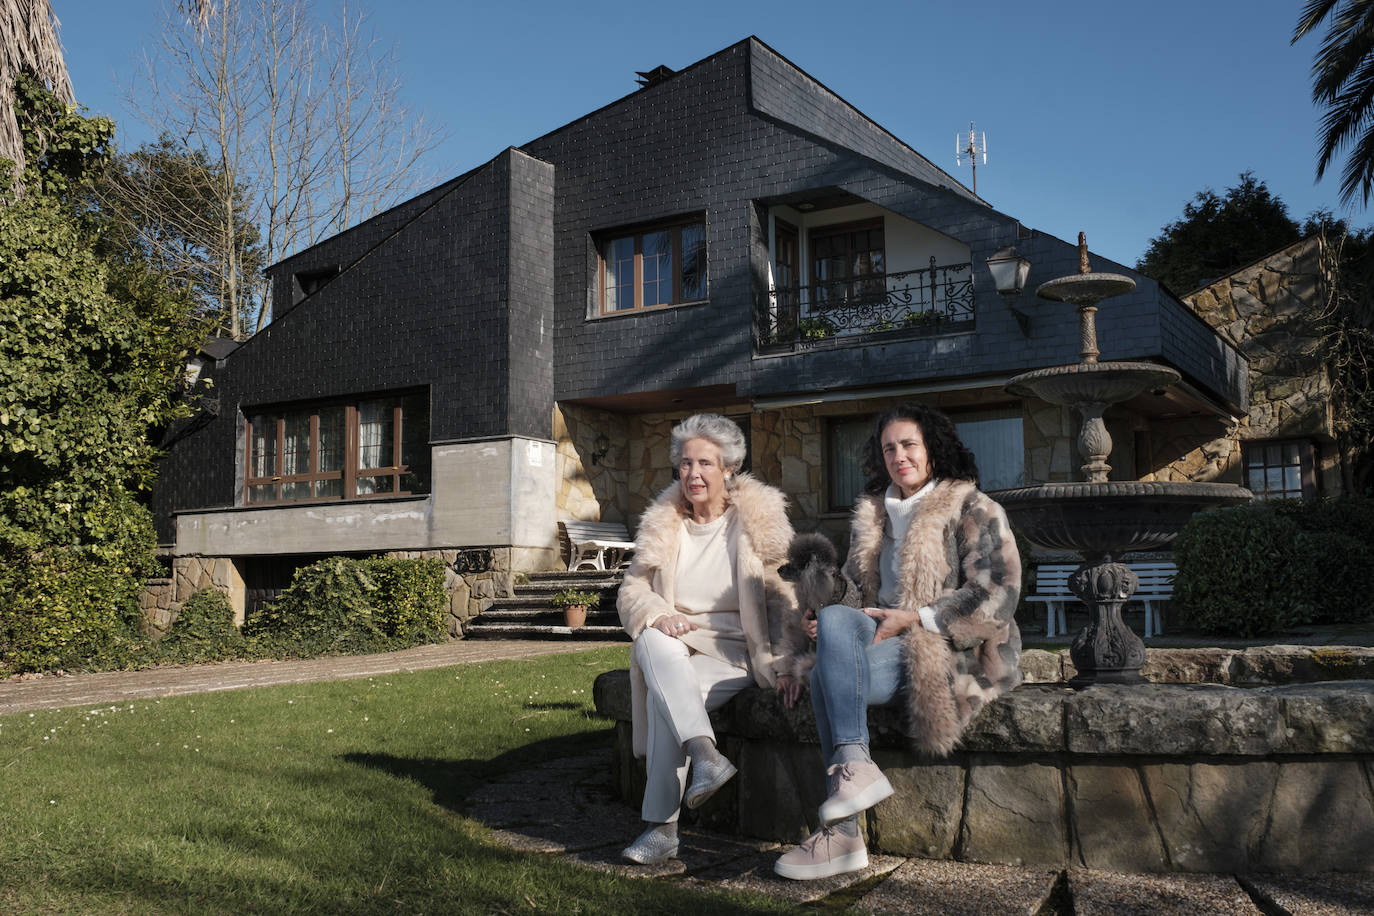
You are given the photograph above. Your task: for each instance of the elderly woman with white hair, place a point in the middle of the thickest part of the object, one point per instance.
(709, 617)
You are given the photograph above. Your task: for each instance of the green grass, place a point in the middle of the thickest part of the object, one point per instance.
(343, 797)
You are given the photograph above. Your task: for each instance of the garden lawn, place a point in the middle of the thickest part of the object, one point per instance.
(342, 797)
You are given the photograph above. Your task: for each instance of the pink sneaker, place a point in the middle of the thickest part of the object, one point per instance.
(861, 786)
(824, 853)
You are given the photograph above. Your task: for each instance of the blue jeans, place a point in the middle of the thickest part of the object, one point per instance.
(851, 674)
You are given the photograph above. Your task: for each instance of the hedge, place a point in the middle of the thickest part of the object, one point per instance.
(342, 604)
(1258, 569)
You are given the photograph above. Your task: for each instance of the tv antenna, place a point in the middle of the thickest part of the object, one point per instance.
(969, 148)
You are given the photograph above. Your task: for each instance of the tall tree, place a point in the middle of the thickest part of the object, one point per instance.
(161, 205)
(1343, 84)
(1216, 235)
(28, 44)
(1345, 320)
(91, 354)
(303, 120)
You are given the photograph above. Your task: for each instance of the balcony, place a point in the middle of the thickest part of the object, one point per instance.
(912, 303)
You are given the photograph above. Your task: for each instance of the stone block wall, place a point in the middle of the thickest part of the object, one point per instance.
(157, 605)
(787, 448)
(591, 485)
(1268, 311)
(1182, 777)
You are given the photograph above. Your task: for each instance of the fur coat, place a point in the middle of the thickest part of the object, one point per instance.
(959, 557)
(768, 616)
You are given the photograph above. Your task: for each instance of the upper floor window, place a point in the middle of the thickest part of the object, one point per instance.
(664, 265)
(369, 447)
(848, 260)
(1280, 468)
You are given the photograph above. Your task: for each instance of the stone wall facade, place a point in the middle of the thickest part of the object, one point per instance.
(788, 448)
(1267, 311)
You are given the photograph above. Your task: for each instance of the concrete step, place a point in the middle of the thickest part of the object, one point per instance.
(479, 630)
(528, 614)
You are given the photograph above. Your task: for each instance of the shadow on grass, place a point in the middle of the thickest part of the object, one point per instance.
(452, 780)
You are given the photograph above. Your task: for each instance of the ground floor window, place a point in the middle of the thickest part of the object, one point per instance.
(339, 450)
(1280, 468)
(994, 436)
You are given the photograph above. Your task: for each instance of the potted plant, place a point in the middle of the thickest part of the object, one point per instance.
(575, 603)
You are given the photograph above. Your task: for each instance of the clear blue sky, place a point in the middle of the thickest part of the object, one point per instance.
(1100, 116)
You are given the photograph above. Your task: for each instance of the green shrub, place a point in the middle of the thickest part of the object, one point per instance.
(1336, 576)
(1256, 569)
(410, 597)
(1351, 516)
(204, 630)
(62, 604)
(345, 605)
(1236, 572)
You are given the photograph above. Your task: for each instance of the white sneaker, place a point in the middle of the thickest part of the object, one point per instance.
(707, 777)
(651, 848)
(824, 853)
(861, 785)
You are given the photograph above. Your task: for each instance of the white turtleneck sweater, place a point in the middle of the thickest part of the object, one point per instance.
(899, 514)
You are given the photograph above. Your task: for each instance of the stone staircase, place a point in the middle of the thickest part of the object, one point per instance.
(530, 614)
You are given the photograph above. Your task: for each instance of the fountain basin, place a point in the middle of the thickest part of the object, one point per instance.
(1092, 383)
(1085, 288)
(1111, 518)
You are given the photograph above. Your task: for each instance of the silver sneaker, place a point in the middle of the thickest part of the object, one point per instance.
(652, 848)
(825, 853)
(707, 777)
(859, 785)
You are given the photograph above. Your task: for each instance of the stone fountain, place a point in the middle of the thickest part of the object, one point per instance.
(1101, 519)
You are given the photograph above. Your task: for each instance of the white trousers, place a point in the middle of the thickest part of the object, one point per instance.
(682, 687)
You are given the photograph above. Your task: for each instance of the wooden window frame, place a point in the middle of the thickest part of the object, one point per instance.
(348, 474)
(675, 228)
(845, 229)
(1307, 470)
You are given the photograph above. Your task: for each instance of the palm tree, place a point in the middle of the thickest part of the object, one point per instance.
(28, 41)
(1343, 82)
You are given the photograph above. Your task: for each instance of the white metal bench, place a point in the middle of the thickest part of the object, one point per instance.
(597, 545)
(1156, 585)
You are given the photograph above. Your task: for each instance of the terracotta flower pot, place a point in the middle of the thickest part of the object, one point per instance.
(575, 615)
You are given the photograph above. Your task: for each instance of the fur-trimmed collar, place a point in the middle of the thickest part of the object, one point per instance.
(757, 504)
(921, 553)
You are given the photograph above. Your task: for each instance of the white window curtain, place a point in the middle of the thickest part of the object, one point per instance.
(374, 422)
(995, 437)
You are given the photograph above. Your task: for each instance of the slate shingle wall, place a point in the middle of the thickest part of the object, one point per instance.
(427, 305)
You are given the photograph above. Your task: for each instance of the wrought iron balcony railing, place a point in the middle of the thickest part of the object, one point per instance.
(912, 303)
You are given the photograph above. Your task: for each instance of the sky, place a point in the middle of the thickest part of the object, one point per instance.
(1100, 116)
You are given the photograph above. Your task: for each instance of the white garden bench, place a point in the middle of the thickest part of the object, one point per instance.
(1156, 585)
(597, 545)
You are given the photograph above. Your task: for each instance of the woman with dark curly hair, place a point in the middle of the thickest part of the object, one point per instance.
(937, 568)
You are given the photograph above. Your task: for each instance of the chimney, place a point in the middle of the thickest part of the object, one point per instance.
(654, 76)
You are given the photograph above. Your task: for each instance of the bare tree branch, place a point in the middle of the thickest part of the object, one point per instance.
(302, 119)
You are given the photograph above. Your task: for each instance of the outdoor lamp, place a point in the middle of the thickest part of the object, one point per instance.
(600, 447)
(1009, 272)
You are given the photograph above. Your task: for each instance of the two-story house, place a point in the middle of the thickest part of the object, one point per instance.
(510, 348)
